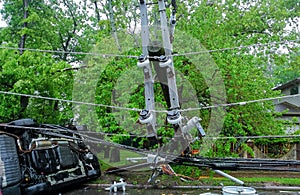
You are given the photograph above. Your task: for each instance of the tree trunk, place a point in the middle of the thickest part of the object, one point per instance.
(97, 11)
(23, 38)
(23, 100)
(298, 151)
(112, 24)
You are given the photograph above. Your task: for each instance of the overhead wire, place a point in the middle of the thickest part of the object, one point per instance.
(83, 135)
(239, 47)
(242, 103)
(206, 137)
(105, 55)
(68, 101)
(184, 110)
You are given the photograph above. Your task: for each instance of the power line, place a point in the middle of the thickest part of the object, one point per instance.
(136, 57)
(239, 47)
(69, 52)
(254, 137)
(85, 133)
(207, 137)
(157, 111)
(69, 101)
(241, 103)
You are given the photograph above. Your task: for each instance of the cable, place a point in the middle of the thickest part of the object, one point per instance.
(238, 47)
(169, 157)
(84, 133)
(101, 133)
(69, 101)
(211, 137)
(155, 57)
(69, 52)
(49, 131)
(157, 111)
(254, 137)
(240, 103)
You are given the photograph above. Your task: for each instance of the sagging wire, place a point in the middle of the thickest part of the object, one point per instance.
(243, 103)
(168, 157)
(157, 57)
(70, 52)
(69, 101)
(84, 134)
(238, 47)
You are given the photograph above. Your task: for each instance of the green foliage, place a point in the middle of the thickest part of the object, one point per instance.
(190, 171)
(104, 94)
(244, 71)
(34, 73)
(223, 148)
(289, 68)
(51, 25)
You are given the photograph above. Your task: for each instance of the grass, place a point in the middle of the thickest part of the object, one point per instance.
(257, 181)
(124, 154)
(277, 181)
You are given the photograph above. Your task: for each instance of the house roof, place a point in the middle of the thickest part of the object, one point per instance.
(288, 84)
(294, 102)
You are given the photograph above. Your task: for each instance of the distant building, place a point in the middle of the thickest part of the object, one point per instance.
(290, 106)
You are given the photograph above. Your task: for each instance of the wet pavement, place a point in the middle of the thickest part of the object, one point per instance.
(131, 191)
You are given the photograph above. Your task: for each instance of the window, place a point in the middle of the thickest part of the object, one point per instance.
(294, 90)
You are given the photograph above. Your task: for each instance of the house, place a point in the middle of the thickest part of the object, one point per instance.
(290, 106)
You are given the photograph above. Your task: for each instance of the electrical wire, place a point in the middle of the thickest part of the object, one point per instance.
(157, 111)
(69, 52)
(206, 137)
(69, 101)
(210, 137)
(169, 157)
(239, 47)
(254, 137)
(155, 57)
(83, 135)
(241, 103)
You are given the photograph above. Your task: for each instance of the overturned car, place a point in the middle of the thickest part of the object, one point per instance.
(38, 158)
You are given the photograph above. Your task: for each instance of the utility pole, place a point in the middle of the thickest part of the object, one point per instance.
(158, 53)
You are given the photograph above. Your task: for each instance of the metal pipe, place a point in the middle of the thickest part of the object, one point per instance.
(229, 177)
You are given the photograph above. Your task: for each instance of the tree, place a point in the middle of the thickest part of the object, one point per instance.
(33, 72)
(289, 68)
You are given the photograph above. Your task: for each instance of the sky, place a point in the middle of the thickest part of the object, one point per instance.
(2, 23)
